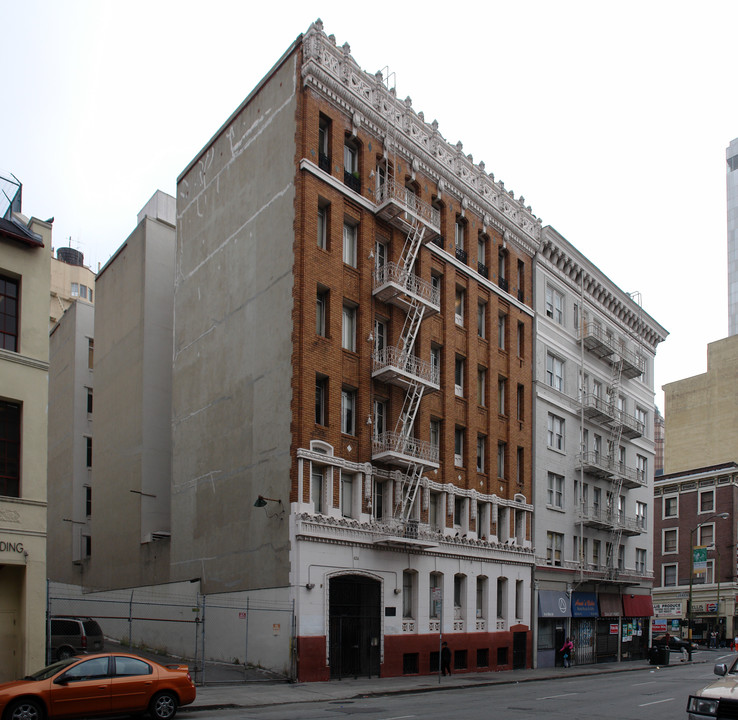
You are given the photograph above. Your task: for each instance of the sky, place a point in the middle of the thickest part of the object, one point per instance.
(611, 119)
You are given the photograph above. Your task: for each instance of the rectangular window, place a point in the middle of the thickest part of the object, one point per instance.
(378, 500)
(596, 553)
(380, 418)
(621, 557)
(75, 290)
(459, 447)
(459, 307)
(348, 411)
(521, 340)
(669, 575)
(459, 511)
(640, 560)
(459, 233)
(408, 581)
(324, 143)
(671, 506)
(521, 466)
(88, 501)
(641, 515)
(347, 495)
(321, 397)
(501, 451)
(501, 393)
(502, 331)
(10, 437)
(501, 598)
(459, 377)
(554, 305)
(556, 490)
(554, 547)
(349, 244)
(481, 319)
(482, 255)
(436, 586)
(323, 227)
(670, 540)
(435, 434)
(481, 386)
(350, 159)
(435, 361)
(706, 535)
(554, 372)
(520, 400)
(707, 501)
(434, 511)
(481, 440)
(555, 432)
(90, 353)
(316, 488)
(348, 328)
(88, 445)
(459, 596)
(642, 468)
(481, 593)
(89, 401)
(321, 312)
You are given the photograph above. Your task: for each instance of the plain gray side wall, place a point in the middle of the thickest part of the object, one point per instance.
(233, 344)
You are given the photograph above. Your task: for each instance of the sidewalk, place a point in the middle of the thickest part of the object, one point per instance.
(264, 693)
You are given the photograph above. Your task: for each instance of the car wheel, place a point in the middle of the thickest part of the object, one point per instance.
(163, 706)
(25, 710)
(64, 652)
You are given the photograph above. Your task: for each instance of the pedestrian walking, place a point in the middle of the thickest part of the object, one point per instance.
(567, 651)
(445, 659)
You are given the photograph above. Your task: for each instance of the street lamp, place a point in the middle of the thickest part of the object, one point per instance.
(724, 516)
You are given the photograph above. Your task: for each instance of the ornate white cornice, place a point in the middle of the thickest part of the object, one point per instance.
(570, 265)
(30, 362)
(334, 73)
(345, 531)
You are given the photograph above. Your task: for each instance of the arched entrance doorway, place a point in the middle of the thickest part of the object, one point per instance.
(354, 616)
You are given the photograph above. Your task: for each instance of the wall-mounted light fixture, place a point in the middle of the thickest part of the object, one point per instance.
(261, 502)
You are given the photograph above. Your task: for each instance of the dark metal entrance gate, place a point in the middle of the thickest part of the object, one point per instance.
(354, 626)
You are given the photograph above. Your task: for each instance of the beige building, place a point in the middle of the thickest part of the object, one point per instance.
(702, 412)
(131, 463)
(71, 355)
(24, 352)
(71, 280)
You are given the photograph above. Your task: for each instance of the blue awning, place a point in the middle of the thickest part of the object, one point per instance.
(584, 605)
(553, 604)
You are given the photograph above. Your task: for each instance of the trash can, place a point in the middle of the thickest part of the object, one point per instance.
(659, 655)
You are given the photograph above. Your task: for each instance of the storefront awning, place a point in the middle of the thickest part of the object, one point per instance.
(583, 604)
(553, 604)
(610, 605)
(637, 606)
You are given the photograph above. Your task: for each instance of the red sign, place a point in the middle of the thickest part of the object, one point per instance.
(613, 628)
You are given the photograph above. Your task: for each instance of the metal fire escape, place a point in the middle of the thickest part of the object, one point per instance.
(397, 283)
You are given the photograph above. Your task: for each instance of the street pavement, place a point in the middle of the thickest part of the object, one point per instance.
(268, 691)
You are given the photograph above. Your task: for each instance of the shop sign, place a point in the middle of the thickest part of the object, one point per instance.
(658, 627)
(706, 607)
(613, 628)
(668, 609)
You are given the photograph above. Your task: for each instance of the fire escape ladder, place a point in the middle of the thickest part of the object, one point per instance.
(413, 241)
(616, 433)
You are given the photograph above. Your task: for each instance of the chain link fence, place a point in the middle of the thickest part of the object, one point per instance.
(225, 637)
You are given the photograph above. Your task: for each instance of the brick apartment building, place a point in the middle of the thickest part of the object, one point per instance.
(353, 339)
(688, 508)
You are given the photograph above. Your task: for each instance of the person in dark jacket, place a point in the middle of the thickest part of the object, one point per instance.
(445, 659)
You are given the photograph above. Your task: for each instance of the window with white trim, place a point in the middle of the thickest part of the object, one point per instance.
(348, 411)
(670, 506)
(555, 432)
(707, 501)
(554, 372)
(349, 244)
(554, 305)
(670, 540)
(554, 548)
(669, 575)
(556, 490)
(348, 328)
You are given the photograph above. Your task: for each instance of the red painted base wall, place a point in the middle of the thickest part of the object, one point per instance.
(311, 652)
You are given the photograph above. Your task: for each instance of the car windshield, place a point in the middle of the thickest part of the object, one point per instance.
(52, 669)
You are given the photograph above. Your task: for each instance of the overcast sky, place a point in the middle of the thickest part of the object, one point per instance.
(611, 119)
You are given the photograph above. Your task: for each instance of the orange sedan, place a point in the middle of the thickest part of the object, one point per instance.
(104, 684)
